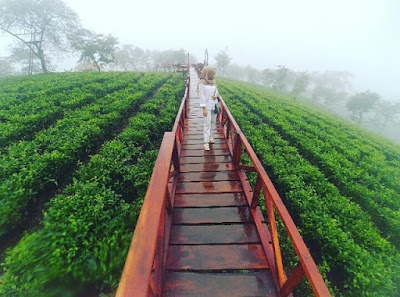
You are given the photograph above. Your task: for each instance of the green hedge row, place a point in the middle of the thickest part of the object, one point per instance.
(18, 90)
(20, 122)
(347, 247)
(369, 181)
(87, 229)
(31, 168)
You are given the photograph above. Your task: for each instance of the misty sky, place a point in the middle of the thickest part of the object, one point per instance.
(360, 36)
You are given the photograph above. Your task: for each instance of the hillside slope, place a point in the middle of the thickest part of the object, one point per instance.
(341, 185)
(97, 154)
(85, 144)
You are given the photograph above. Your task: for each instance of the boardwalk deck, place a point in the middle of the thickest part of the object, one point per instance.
(214, 247)
(200, 231)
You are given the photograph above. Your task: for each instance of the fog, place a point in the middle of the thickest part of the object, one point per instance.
(361, 37)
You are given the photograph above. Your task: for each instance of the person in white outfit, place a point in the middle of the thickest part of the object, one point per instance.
(208, 94)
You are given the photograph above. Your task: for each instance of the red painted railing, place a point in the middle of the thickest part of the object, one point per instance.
(144, 267)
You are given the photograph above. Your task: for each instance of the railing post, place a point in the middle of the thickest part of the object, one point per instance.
(237, 150)
(175, 155)
(293, 280)
(256, 193)
(159, 256)
(275, 238)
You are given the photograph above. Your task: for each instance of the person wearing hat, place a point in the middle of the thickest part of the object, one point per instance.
(208, 101)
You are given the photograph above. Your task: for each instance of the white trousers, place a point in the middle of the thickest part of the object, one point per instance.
(209, 123)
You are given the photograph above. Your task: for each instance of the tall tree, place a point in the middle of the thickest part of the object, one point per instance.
(223, 60)
(268, 77)
(283, 78)
(331, 87)
(361, 103)
(130, 57)
(300, 84)
(253, 75)
(26, 61)
(41, 25)
(97, 49)
(385, 112)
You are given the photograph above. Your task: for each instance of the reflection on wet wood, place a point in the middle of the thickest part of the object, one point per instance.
(210, 200)
(214, 234)
(216, 257)
(183, 284)
(210, 187)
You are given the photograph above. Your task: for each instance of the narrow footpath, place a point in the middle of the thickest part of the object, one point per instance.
(214, 248)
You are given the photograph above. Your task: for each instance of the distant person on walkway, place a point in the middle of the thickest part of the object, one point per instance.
(208, 100)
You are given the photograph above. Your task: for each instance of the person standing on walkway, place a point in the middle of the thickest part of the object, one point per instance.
(208, 94)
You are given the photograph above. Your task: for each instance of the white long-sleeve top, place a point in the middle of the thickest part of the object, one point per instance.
(205, 93)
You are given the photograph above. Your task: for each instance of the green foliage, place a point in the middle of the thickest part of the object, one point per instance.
(87, 229)
(30, 168)
(40, 25)
(338, 184)
(95, 48)
(223, 60)
(361, 103)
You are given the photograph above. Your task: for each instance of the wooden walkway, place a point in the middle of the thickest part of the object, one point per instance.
(214, 247)
(200, 231)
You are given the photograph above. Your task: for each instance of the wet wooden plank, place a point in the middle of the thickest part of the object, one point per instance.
(216, 257)
(214, 234)
(206, 167)
(197, 141)
(201, 136)
(199, 128)
(210, 200)
(206, 159)
(212, 215)
(252, 284)
(199, 146)
(210, 187)
(200, 152)
(208, 176)
(192, 121)
(199, 131)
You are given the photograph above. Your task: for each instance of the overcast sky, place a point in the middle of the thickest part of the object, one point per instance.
(359, 36)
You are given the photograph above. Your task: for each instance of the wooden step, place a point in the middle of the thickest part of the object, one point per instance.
(196, 130)
(201, 152)
(216, 257)
(214, 234)
(209, 187)
(210, 200)
(208, 176)
(199, 146)
(206, 159)
(206, 167)
(199, 129)
(197, 141)
(194, 135)
(252, 284)
(212, 215)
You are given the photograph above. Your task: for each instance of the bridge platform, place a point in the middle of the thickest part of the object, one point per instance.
(214, 248)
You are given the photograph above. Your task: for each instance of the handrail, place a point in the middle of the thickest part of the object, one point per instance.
(136, 279)
(144, 266)
(236, 140)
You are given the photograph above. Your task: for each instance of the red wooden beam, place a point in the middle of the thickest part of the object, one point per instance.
(136, 276)
(293, 280)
